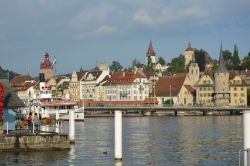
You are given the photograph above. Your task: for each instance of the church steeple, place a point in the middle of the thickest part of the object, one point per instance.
(221, 68)
(150, 51)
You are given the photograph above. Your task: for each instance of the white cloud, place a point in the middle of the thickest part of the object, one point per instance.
(167, 15)
(105, 29)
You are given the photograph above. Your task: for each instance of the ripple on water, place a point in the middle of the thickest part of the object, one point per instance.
(173, 141)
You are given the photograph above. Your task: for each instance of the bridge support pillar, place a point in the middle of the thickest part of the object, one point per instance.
(175, 112)
(246, 125)
(72, 126)
(118, 135)
(204, 113)
(231, 112)
(57, 122)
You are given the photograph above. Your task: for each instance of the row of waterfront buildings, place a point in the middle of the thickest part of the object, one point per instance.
(99, 87)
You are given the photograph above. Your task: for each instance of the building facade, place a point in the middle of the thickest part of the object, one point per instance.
(88, 83)
(221, 88)
(127, 86)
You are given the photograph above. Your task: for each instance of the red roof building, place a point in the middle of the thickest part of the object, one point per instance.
(46, 64)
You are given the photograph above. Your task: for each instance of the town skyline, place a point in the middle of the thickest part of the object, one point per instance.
(78, 34)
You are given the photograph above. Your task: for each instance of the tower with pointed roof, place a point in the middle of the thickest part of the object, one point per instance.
(46, 67)
(194, 72)
(189, 53)
(221, 87)
(150, 54)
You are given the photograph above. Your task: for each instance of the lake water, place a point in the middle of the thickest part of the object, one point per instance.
(173, 141)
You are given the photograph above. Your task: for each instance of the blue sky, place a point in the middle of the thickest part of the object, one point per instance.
(81, 32)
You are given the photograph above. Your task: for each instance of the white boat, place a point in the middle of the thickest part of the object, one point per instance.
(63, 107)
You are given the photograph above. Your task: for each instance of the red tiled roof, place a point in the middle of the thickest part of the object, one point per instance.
(189, 48)
(124, 77)
(246, 73)
(170, 85)
(189, 88)
(26, 86)
(20, 80)
(58, 102)
(80, 74)
(232, 74)
(150, 101)
(46, 64)
(210, 74)
(150, 51)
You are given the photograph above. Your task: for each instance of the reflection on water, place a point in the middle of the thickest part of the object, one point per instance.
(175, 141)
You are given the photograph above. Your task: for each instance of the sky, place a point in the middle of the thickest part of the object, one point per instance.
(82, 33)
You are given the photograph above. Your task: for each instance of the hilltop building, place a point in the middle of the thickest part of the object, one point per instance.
(46, 67)
(150, 54)
(189, 54)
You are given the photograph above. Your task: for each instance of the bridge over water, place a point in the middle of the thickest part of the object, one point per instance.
(163, 108)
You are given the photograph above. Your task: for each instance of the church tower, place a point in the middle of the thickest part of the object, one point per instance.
(221, 77)
(194, 72)
(189, 53)
(150, 54)
(46, 67)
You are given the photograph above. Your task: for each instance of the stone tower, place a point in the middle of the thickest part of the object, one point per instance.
(194, 72)
(150, 54)
(189, 53)
(46, 67)
(221, 79)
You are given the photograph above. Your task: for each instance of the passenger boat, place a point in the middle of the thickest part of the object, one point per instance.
(63, 107)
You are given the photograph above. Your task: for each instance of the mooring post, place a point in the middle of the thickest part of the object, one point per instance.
(72, 126)
(118, 135)
(7, 126)
(57, 122)
(246, 125)
(33, 127)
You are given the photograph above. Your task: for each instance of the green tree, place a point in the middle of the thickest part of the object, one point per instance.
(236, 59)
(115, 66)
(200, 58)
(178, 64)
(246, 62)
(161, 61)
(135, 62)
(227, 55)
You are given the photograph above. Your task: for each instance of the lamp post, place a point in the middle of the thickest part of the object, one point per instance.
(154, 82)
(170, 95)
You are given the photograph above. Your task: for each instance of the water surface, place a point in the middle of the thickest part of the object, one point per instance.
(173, 141)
